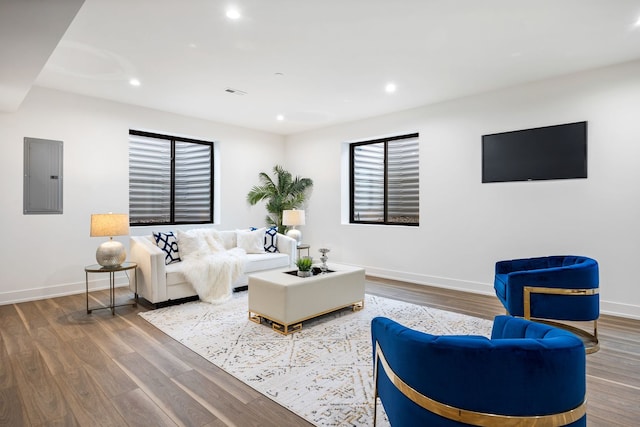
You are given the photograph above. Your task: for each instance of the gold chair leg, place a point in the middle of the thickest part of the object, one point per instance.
(591, 343)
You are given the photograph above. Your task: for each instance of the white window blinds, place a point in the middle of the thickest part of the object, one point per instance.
(192, 182)
(385, 181)
(170, 180)
(402, 181)
(368, 173)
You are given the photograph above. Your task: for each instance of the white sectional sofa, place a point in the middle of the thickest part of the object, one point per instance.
(163, 284)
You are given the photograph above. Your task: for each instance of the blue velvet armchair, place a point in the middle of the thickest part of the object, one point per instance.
(527, 374)
(553, 287)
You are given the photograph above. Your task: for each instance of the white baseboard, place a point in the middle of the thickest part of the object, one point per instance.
(620, 310)
(606, 307)
(23, 295)
(440, 282)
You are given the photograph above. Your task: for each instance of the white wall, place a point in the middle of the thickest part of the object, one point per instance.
(45, 255)
(466, 226)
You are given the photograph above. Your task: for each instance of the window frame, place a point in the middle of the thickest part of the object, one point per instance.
(173, 139)
(385, 141)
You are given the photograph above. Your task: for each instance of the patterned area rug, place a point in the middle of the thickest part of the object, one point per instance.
(324, 373)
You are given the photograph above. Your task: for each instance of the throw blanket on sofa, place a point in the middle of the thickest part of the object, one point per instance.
(208, 266)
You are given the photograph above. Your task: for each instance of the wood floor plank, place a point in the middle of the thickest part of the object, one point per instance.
(140, 411)
(41, 396)
(174, 401)
(53, 350)
(617, 368)
(31, 315)
(231, 385)
(276, 415)
(72, 304)
(114, 322)
(15, 335)
(107, 374)
(226, 407)
(68, 420)
(68, 326)
(89, 404)
(70, 320)
(7, 379)
(12, 409)
(147, 328)
(153, 352)
(108, 340)
(610, 401)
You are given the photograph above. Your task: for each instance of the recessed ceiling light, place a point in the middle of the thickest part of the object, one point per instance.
(390, 88)
(280, 117)
(134, 82)
(233, 13)
(637, 24)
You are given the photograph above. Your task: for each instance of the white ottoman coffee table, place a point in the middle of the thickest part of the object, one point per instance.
(287, 300)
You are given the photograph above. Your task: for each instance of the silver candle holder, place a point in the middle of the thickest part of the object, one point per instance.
(323, 258)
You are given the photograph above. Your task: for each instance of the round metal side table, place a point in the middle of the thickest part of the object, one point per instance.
(124, 267)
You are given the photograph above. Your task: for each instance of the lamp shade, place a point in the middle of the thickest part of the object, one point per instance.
(293, 217)
(109, 225)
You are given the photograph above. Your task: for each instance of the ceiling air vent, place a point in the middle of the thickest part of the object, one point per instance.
(235, 91)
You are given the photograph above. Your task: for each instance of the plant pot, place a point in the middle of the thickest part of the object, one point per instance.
(304, 273)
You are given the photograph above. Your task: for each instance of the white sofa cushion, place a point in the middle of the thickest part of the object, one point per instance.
(255, 262)
(174, 274)
(265, 261)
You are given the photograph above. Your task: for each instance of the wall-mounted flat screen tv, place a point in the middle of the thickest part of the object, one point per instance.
(551, 152)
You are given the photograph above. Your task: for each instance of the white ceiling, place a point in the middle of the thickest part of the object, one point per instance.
(334, 56)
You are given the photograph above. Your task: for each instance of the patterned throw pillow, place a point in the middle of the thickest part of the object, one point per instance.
(270, 239)
(168, 242)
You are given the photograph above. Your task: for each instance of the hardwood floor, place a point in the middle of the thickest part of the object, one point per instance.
(60, 366)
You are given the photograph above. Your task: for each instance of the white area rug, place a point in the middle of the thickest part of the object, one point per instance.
(324, 373)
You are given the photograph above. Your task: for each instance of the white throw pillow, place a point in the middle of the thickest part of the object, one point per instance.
(251, 241)
(191, 243)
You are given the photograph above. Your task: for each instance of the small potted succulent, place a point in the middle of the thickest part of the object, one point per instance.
(304, 266)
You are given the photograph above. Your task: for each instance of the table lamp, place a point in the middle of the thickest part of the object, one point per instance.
(292, 218)
(111, 253)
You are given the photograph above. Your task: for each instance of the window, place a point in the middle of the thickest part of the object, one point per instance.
(384, 181)
(170, 180)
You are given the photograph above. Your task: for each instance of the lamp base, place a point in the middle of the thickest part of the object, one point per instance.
(295, 234)
(111, 254)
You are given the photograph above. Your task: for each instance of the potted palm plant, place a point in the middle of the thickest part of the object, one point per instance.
(282, 192)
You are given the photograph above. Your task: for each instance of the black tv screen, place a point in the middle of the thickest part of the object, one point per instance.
(551, 152)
